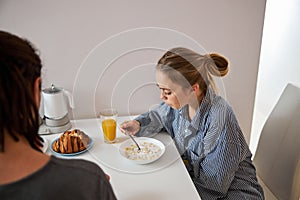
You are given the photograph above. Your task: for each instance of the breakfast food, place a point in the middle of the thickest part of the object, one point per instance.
(71, 142)
(149, 151)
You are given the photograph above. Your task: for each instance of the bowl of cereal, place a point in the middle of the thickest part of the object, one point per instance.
(151, 150)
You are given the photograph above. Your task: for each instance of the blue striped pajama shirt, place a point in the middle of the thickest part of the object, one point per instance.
(212, 145)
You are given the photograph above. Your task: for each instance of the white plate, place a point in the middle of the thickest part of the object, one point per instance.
(89, 146)
(142, 157)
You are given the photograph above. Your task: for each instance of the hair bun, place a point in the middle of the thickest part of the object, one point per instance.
(220, 66)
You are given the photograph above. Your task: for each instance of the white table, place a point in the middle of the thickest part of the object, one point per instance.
(166, 178)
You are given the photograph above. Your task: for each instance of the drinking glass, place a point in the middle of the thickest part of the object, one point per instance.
(108, 119)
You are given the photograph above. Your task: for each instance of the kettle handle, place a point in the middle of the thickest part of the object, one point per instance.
(70, 98)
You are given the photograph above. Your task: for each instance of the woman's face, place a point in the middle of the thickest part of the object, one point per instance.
(171, 93)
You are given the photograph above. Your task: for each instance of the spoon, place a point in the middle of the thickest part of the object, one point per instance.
(139, 148)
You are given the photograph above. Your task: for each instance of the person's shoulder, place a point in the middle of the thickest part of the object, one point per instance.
(219, 103)
(77, 164)
(91, 177)
(220, 108)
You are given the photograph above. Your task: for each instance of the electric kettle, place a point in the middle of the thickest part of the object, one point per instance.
(56, 103)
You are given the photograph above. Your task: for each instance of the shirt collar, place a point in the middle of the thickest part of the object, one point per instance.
(201, 112)
(203, 108)
(184, 111)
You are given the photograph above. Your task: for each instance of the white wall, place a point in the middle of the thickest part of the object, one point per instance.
(279, 62)
(100, 51)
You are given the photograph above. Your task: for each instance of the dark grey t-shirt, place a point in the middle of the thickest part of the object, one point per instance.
(61, 179)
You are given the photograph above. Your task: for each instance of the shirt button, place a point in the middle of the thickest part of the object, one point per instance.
(185, 130)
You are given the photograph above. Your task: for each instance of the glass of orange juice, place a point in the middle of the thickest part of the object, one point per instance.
(108, 118)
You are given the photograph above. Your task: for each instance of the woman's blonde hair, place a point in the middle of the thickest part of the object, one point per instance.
(186, 67)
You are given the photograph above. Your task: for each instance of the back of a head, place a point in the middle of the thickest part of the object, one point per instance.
(182, 63)
(20, 66)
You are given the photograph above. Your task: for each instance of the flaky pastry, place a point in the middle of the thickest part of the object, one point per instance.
(71, 142)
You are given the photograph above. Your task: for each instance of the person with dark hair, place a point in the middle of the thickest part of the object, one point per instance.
(202, 125)
(26, 172)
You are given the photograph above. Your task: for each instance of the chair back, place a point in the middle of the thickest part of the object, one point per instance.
(277, 158)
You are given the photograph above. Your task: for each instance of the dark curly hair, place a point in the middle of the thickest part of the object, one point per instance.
(20, 66)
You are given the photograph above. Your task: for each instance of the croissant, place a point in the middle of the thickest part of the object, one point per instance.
(71, 142)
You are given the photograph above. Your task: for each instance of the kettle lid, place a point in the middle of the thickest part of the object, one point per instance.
(52, 89)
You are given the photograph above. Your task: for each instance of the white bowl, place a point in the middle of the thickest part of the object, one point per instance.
(152, 150)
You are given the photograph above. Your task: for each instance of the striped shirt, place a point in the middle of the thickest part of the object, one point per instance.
(212, 145)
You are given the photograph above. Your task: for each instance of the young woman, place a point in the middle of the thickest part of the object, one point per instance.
(25, 172)
(202, 124)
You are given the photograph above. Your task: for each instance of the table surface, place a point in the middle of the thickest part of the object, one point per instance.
(166, 178)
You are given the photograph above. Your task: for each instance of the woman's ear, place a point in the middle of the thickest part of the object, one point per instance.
(196, 90)
(195, 87)
(37, 91)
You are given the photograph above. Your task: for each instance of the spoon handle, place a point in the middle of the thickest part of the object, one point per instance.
(139, 148)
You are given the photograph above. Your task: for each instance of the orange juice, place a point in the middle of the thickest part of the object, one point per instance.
(109, 129)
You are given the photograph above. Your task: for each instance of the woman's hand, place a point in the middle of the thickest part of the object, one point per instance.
(130, 127)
